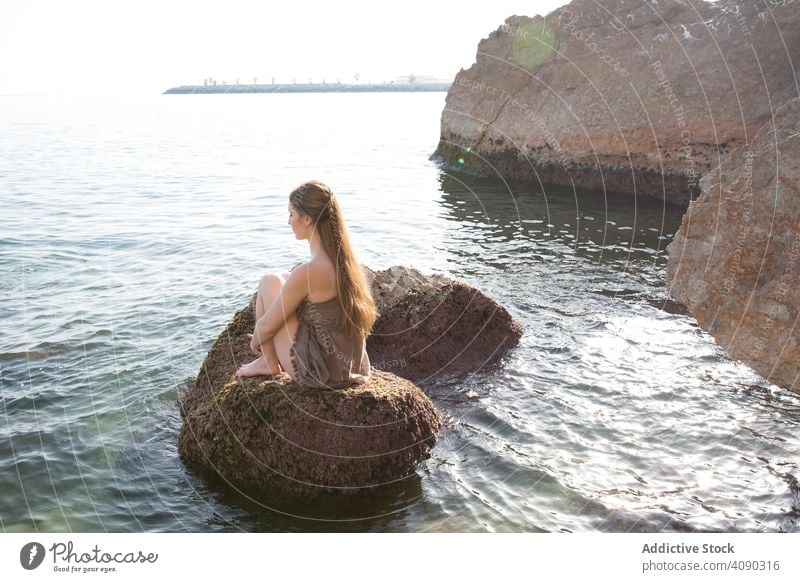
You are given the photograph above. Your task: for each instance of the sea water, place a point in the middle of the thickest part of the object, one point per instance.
(132, 228)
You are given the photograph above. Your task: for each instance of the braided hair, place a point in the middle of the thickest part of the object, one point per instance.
(316, 200)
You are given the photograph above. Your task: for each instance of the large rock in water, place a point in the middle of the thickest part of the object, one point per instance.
(736, 258)
(275, 435)
(621, 95)
(429, 326)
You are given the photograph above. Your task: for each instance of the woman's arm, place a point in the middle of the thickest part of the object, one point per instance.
(294, 290)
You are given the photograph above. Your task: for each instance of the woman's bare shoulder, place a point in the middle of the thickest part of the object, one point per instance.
(319, 266)
(322, 278)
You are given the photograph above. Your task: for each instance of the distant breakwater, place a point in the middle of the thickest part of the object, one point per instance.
(310, 88)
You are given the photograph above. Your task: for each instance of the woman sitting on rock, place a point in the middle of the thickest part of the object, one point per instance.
(313, 321)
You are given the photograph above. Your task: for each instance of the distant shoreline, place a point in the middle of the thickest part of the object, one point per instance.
(310, 88)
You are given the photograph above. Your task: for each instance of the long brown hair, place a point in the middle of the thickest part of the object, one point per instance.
(316, 200)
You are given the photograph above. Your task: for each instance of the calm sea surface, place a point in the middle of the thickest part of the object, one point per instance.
(132, 229)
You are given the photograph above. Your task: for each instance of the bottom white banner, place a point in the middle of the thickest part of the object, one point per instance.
(393, 556)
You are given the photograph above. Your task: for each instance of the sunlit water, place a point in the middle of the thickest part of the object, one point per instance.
(133, 229)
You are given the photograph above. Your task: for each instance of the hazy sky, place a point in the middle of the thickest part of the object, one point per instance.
(114, 46)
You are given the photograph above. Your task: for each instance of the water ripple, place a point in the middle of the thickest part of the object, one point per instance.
(133, 233)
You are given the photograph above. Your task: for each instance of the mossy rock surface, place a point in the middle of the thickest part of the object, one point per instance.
(230, 350)
(259, 433)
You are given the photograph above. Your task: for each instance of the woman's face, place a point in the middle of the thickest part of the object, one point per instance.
(299, 224)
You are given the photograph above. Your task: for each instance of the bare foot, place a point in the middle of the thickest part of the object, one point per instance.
(257, 367)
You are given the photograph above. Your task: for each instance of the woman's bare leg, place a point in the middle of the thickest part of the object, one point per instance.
(283, 341)
(268, 290)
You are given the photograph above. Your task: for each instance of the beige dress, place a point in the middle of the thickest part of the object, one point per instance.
(322, 355)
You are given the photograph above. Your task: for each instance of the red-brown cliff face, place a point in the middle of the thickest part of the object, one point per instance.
(623, 95)
(735, 262)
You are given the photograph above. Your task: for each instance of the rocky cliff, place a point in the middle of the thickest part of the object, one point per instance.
(622, 95)
(735, 262)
